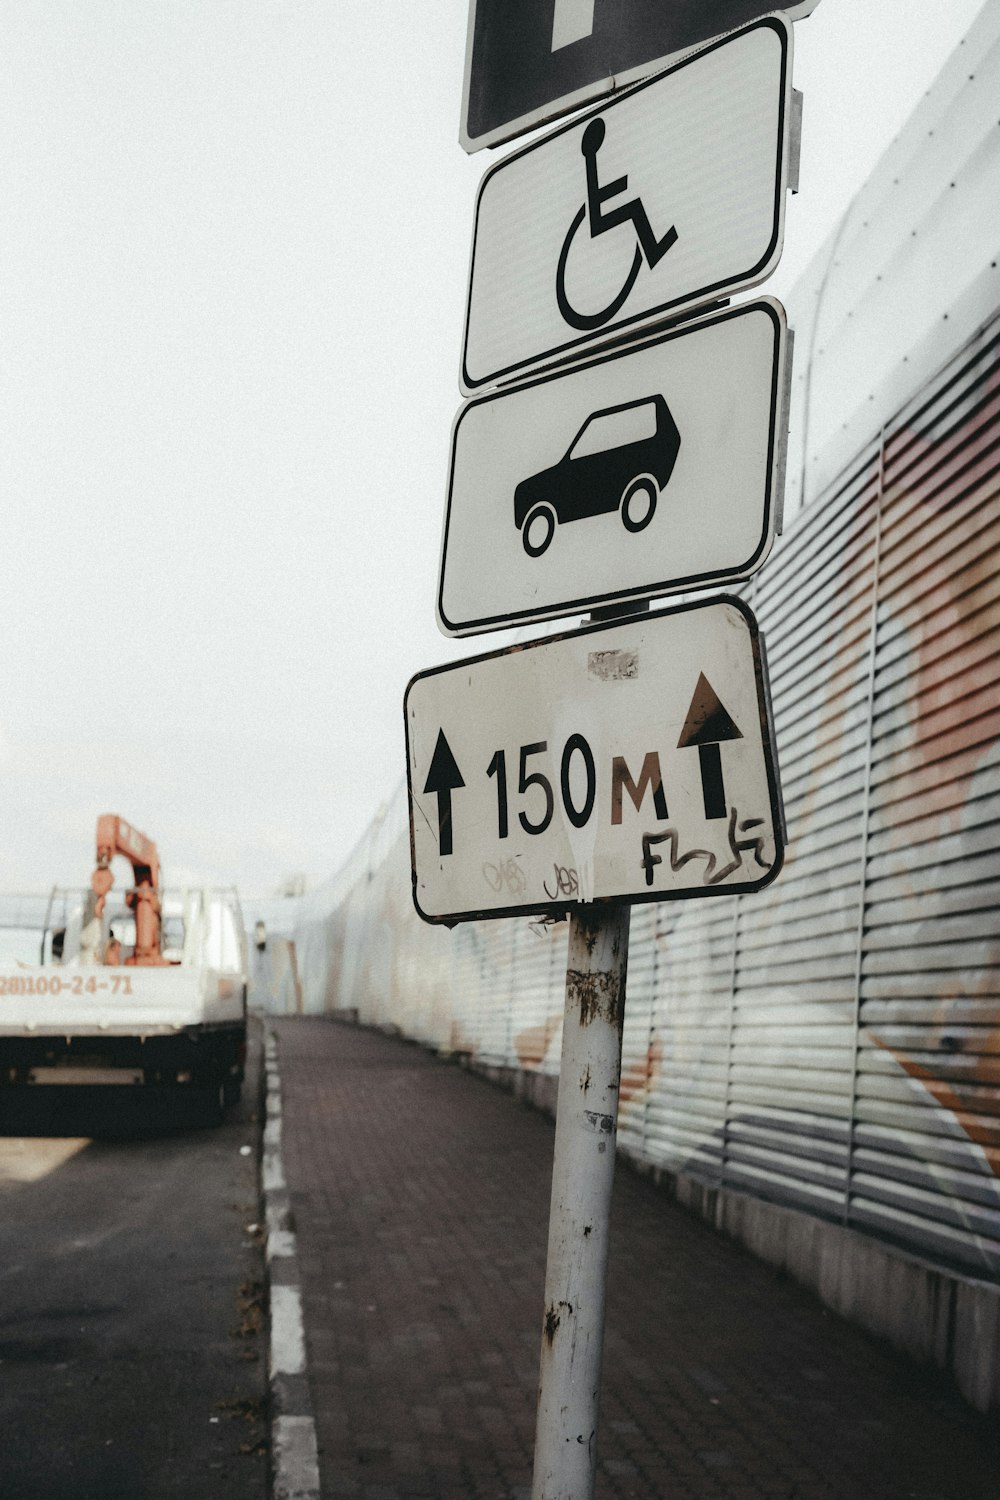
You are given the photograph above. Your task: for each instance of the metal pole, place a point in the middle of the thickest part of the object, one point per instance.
(583, 1169)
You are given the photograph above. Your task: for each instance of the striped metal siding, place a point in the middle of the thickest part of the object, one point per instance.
(834, 1042)
(690, 1036)
(492, 1005)
(795, 959)
(860, 1049)
(638, 1030)
(539, 988)
(909, 273)
(926, 1145)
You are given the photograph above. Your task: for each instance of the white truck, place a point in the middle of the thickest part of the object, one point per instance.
(137, 987)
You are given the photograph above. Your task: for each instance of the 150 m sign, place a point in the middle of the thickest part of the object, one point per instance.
(632, 761)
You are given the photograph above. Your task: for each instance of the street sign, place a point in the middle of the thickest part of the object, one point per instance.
(625, 762)
(527, 62)
(671, 197)
(653, 468)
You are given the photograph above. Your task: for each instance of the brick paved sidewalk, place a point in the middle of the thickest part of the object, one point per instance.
(420, 1197)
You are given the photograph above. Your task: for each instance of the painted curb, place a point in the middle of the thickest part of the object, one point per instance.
(294, 1455)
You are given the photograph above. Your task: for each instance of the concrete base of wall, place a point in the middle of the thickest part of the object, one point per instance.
(540, 1090)
(935, 1316)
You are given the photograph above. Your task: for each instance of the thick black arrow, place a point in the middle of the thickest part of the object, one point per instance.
(442, 778)
(707, 724)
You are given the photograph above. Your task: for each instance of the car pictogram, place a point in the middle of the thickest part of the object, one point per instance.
(621, 459)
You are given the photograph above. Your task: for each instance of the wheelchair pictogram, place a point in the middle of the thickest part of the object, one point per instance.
(648, 249)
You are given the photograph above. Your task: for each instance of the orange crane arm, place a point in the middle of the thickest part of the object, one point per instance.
(115, 836)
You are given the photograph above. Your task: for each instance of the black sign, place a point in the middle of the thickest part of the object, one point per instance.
(521, 71)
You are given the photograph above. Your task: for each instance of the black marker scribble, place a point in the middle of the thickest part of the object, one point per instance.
(567, 883)
(713, 875)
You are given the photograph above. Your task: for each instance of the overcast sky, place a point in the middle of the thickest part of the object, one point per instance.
(233, 256)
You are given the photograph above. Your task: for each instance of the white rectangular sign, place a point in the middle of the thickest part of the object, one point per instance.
(625, 762)
(670, 196)
(650, 469)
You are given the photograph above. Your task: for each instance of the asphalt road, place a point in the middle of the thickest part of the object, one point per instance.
(132, 1338)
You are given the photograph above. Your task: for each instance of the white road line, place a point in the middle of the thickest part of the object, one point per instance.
(280, 1243)
(272, 1167)
(294, 1453)
(296, 1462)
(288, 1340)
(272, 1173)
(280, 1240)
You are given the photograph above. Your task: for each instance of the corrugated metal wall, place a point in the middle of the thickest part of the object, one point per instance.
(911, 271)
(834, 1042)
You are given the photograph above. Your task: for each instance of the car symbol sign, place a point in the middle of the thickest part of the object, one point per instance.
(649, 469)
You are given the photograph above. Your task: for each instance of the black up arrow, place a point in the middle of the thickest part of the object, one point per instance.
(707, 725)
(442, 778)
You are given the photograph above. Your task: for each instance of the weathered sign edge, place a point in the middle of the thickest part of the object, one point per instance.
(561, 908)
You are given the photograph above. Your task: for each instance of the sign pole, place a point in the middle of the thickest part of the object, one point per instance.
(583, 1175)
(583, 1170)
(524, 311)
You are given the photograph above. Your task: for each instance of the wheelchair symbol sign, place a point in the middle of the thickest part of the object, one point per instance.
(649, 248)
(666, 199)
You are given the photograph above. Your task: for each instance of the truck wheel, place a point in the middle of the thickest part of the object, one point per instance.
(208, 1098)
(216, 1096)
